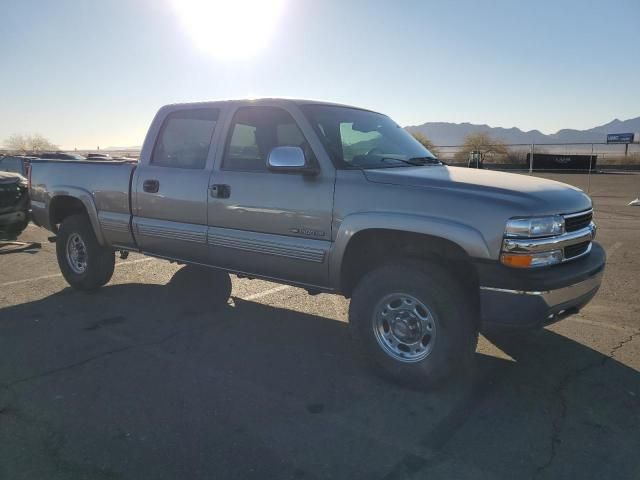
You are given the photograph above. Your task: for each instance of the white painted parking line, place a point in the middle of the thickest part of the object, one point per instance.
(57, 275)
(264, 293)
(27, 280)
(254, 296)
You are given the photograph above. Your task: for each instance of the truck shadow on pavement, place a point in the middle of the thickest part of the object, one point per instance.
(148, 381)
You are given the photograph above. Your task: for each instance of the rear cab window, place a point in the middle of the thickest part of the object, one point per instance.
(185, 138)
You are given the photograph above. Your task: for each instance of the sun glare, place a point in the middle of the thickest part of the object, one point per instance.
(229, 29)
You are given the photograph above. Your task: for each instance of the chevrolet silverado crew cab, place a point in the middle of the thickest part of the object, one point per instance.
(333, 199)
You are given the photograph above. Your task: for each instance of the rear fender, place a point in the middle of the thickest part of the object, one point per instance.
(87, 201)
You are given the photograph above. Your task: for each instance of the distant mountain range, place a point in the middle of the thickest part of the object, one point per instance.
(443, 133)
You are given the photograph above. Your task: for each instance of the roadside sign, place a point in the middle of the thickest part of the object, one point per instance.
(622, 137)
(553, 161)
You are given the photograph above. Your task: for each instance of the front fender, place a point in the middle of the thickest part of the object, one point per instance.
(468, 238)
(87, 200)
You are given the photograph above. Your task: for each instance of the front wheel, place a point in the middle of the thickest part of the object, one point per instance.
(414, 322)
(84, 263)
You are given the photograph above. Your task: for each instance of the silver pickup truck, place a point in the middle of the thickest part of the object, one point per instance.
(333, 199)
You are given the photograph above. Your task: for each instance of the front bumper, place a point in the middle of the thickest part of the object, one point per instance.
(515, 298)
(12, 218)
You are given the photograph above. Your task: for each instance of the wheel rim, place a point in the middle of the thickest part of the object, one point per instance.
(404, 327)
(76, 253)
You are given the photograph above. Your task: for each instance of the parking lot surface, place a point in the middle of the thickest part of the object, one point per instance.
(144, 380)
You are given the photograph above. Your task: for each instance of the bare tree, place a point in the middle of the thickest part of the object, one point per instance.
(483, 143)
(16, 143)
(34, 142)
(428, 144)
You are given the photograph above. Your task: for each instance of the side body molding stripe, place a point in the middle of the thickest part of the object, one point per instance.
(171, 231)
(114, 222)
(267, 244)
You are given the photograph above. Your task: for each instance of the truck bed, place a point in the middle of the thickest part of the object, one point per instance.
(105, 193)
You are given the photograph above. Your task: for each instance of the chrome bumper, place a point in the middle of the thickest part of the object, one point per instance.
(9, 218)
(560, 242)
(519, 308)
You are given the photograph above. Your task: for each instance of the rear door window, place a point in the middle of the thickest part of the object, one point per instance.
(185, 138)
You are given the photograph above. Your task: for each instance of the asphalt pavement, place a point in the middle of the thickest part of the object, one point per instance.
(144, 380)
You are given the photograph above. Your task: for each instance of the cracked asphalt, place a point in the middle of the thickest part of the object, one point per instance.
(143, 380)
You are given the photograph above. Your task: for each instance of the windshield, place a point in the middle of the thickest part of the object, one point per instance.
(362, 139)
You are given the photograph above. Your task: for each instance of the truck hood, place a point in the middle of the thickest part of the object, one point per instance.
(539, 195)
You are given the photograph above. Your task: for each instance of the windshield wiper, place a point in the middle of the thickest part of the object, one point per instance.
(415, 161)
(424, 161)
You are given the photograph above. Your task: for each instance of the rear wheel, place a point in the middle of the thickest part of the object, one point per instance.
(414, 322)
(84, 263)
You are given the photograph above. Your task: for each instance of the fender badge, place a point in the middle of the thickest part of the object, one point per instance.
(308, 232)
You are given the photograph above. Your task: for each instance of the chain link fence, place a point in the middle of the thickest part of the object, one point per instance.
(575, 163)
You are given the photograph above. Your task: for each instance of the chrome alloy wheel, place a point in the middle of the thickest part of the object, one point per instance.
(76, 253)
(404, 327)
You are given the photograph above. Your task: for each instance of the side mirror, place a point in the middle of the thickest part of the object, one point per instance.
(289, 159)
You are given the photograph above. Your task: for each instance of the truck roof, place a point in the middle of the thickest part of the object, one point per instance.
(267, 100)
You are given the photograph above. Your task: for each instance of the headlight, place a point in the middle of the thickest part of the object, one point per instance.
(534, 227)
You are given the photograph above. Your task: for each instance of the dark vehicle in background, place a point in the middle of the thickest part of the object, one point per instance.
(16, 164)
(60, 156)
(14, 204)
(98, 156)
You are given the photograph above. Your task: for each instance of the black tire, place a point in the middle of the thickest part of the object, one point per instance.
(455, 331)
(100, 261)
(204, 286)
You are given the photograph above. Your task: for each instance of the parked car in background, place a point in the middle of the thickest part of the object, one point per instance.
(16, 163)
(98, 156)
(14, 204)
(60, 156)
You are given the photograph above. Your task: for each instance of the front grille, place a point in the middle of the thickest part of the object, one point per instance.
(10, 195)
(575, 250)
(577, 222)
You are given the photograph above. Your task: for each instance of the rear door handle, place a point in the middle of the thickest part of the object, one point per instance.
(151, 186)
(220, 191)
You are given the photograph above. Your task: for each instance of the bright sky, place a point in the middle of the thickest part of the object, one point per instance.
(87, 73)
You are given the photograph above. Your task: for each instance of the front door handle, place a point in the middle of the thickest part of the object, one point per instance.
(220, 191)
(151, 186)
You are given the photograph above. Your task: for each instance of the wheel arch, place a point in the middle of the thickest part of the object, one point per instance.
(365, 241)
(67, 201)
